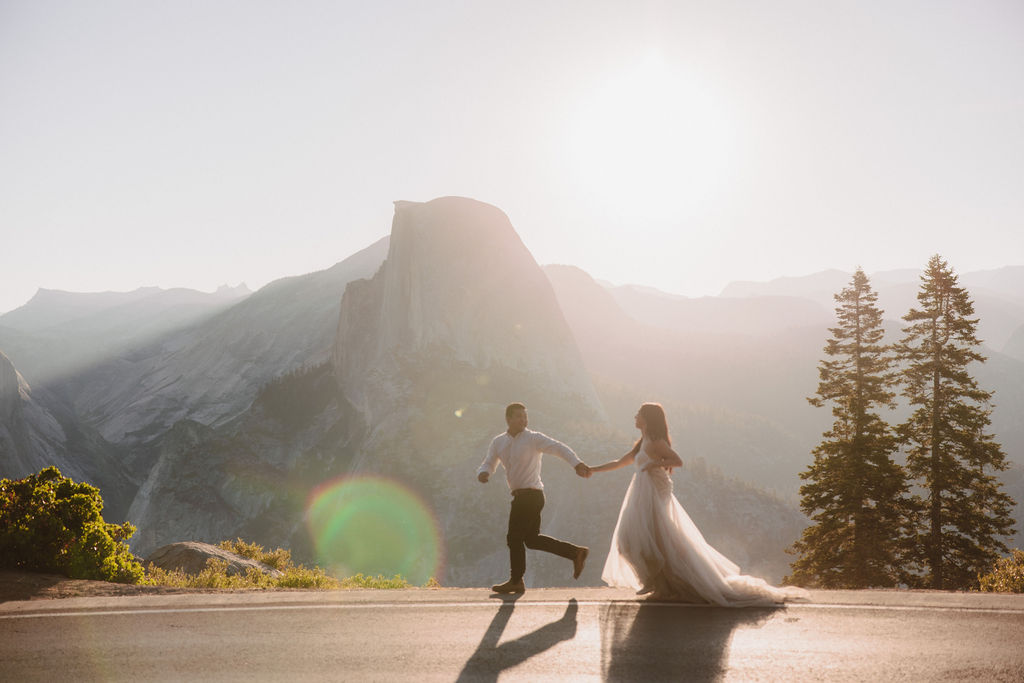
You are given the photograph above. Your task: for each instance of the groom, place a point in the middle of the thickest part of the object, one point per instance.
(519, 450)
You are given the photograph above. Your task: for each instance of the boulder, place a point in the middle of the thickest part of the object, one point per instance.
(191, 556)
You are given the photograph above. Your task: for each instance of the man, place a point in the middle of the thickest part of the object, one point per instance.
(519, 450)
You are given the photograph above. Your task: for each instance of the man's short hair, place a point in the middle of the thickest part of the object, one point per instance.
(512, 408)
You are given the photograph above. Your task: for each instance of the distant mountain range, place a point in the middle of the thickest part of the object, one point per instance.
(209, 416)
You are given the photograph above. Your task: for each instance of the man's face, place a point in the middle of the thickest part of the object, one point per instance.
(516, 422)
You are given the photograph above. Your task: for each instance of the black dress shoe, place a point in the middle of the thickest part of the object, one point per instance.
(510, 586)
(579, 561)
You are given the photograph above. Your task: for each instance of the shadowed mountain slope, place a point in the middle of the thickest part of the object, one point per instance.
(210, 372)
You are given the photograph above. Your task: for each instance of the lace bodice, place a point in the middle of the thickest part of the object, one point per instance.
(659, 474)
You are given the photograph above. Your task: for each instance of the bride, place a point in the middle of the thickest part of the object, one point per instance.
(657, 549)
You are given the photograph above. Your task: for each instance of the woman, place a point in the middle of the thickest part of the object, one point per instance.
(657, 549)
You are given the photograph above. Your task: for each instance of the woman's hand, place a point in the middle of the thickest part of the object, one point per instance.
(662, 454)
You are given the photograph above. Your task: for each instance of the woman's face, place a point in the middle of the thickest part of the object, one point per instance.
(639, 420)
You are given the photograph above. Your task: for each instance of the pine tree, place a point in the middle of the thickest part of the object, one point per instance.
(855, 493)
(963, 510)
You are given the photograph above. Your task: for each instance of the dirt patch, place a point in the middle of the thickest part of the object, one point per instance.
(15, 585)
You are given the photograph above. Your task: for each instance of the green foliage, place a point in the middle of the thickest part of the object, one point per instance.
(963, 511)
(379, 581)
(855, 491)
(868, 530)
(279, 559)
(215, 575)
(1007, 576)
(48, 523)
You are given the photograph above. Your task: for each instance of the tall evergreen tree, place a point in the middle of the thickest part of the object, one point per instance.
(855, 493)
(964, 510)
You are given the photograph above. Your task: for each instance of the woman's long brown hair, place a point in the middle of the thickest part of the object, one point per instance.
(657, 426)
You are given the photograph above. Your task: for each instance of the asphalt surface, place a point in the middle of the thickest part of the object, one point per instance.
(550, 634)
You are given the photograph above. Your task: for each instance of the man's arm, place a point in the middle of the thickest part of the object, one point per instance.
(545, 444)
(490, 463)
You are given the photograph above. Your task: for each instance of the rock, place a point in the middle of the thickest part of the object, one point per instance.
(190, 557)
(458, 287)
(12, 388)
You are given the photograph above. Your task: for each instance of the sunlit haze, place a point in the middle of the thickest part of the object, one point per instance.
(680, 145)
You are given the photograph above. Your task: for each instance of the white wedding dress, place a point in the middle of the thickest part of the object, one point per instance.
(657, 549)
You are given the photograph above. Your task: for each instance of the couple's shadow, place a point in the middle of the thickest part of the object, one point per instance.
(490, 659)
(670, 642)
(646, 641)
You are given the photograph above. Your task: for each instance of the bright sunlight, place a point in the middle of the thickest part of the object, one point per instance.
(648, 139)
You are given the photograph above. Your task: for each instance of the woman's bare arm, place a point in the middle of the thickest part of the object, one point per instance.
(627, 459)
(662, 455)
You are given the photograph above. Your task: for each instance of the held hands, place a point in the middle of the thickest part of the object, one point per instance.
(584, 470)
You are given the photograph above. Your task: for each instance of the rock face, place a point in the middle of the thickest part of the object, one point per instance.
(212, 371)
(38, 433)
(191, 557)
(459, 287)
(58, 334)
(13, 389)
(31, 438)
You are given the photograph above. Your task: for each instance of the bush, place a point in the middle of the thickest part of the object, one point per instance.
(1007, 576)
(48, 523)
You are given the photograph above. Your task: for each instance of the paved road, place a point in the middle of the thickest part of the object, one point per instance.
(554, 634)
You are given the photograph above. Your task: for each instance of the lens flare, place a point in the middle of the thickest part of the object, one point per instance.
(370, 525)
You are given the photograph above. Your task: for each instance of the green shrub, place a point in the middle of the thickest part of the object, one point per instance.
(1007, 576)
(48, 523)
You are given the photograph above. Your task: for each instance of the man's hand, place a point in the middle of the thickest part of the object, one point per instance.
(583, 470)
(483, 477)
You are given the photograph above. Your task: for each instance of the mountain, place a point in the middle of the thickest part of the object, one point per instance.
(1007, 281)
(386, 376)
(57, 334)
(733, 399)
(1015, 344)
(35, 434)
(427, 353)
(754, 315)
(763, 380)
(491, 311)
(998, 297)
(211, 371)
(425, 356)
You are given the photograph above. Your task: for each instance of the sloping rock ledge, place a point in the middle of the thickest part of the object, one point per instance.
(191, 557)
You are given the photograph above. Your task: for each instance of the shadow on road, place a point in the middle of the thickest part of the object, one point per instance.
(668, 642)
(490, 659)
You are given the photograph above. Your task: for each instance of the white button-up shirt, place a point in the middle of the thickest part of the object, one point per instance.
(521, 455)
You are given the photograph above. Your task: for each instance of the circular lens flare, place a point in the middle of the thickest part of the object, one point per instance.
(371, 526)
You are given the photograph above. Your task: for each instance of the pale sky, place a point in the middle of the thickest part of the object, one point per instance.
(680, 145)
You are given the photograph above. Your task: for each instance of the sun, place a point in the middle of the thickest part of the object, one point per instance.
(646, 139)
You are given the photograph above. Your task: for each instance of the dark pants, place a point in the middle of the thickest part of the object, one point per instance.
(524, 532)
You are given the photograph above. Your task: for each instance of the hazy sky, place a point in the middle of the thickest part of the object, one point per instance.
(676, 144)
